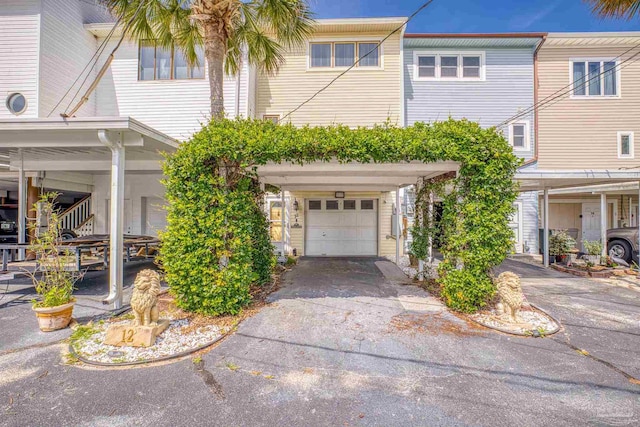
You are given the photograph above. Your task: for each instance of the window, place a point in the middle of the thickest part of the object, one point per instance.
(321, 54)
(315, 205)
(519, 136)
(16, 103)
(594, 78)
(271, 118)
(366, 205)
(449, 66)
(625, 145)
(343, 54)
(332, 205)
(158, 63)
(368, 54)
(275, 221)
(427, 66)
(349, 205)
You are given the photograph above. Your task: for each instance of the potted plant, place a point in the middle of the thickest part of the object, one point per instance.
(593, 250)
(53, 280)
(560, 245)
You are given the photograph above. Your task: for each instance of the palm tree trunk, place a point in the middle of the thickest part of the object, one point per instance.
(215, 49)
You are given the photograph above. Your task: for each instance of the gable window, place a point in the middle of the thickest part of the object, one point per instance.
(519, 136)
(343, 54)
(594, 78)
(159, 63)
(625, 145)
(449, 66)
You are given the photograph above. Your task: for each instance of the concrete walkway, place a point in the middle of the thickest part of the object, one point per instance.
(342, 344)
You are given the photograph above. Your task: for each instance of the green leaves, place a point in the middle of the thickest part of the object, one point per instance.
(217, 242)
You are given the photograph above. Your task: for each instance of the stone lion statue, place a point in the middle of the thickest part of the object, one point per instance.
(510, 292)
(144, 300)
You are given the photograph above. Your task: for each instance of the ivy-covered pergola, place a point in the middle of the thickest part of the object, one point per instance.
(217, 243)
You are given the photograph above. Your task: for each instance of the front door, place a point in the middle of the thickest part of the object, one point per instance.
(591, 221)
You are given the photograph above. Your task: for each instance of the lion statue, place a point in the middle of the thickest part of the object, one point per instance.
(144, 300)
(510, 292)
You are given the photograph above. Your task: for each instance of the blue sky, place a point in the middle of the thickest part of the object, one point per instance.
(479, 16)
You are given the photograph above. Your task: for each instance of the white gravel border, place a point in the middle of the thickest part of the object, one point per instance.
(171, 342)
(540, 322)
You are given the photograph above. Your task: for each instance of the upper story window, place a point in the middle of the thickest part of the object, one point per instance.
(625, 145)
(158, 63)
(519, 136)
(594, 78)
(449, 66)
(343, 54)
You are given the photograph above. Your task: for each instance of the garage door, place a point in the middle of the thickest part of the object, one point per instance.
(343, 227)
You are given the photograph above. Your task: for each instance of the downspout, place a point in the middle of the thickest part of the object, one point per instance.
(535, 98)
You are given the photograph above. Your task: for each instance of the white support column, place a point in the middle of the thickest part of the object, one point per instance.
(282, 214)
(545, 239)
(630, 210)
(398, 222)
(603, 223)
(116, 240)
(22, 207)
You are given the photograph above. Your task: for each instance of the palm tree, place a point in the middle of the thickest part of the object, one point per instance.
(615, 8)
(227, 28)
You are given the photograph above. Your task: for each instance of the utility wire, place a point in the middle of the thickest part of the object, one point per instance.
(93, 59)
(571, 87)
(107, 63)
(413, 15)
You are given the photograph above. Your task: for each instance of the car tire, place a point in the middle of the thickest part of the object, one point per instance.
(67, 235)
(620, 249)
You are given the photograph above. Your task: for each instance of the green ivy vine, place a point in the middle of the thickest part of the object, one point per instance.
(217, 245)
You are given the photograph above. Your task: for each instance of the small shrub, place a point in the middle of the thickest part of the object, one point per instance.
(592, 247)
(561, 243)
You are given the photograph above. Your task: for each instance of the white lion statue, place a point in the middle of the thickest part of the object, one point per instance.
(144, 300)
(510, 292)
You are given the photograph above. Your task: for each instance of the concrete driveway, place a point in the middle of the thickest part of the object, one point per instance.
(343, 345)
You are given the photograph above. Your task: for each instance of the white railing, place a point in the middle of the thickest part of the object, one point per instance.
(76, 215)
(86, 228)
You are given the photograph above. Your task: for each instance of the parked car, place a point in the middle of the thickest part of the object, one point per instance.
(623, 243)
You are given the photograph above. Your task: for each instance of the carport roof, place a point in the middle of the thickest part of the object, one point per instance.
(336, 176)
(536, 179)
(74, 145)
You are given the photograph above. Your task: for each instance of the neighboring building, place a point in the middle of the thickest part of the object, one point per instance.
(486, 78)
(317, 221)
(589, 128)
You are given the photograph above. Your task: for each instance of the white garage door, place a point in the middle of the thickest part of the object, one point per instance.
(343, 227)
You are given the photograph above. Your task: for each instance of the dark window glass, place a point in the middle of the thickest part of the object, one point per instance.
(349, 205)
(315, 205)
(332, 205)
(366, 205)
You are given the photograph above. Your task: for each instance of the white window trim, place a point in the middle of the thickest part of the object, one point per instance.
(354, 40)
(631, 154)
(527, 135)
(270, 116)
(460, 54)
(586, 95)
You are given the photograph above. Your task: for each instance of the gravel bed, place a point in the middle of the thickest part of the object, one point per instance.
(540, 323)
(412, 272)
(171, 342)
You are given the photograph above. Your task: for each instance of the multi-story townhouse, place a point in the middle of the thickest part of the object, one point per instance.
(328, 212)
(480, 77)
(589, 96)
(45, 46)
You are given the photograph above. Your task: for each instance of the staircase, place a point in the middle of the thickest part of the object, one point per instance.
(78, 218)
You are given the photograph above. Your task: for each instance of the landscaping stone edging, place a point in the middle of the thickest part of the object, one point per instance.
(605, 274)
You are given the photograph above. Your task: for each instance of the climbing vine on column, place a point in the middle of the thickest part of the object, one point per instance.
(217, 242)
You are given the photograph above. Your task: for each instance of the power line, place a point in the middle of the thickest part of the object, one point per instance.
(413, 15)
(571, 87)
(93, 59)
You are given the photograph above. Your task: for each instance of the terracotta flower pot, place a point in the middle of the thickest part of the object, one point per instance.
(54, 318)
